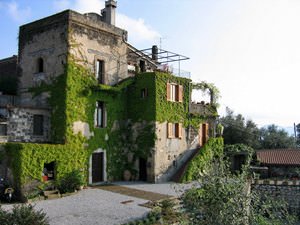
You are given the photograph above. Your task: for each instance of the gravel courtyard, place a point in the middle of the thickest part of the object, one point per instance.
(94, 206)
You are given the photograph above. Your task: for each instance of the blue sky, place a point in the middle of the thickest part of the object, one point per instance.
(249, 49)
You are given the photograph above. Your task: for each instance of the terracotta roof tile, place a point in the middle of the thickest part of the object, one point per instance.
(279, 156)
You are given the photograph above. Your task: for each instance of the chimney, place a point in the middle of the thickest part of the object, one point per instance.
(110, 12)
(154, 53)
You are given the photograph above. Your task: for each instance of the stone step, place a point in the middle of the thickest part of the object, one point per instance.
(53, 196)
(49, 192)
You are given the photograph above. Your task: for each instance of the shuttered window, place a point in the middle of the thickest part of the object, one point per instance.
(174, 92)
(174, 130)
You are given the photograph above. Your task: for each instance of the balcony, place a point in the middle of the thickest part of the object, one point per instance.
(203, 109)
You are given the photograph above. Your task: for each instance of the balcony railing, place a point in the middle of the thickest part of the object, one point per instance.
(181, 73)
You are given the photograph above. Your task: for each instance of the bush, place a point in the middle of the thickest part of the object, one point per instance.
(23, 215)
(70, 182)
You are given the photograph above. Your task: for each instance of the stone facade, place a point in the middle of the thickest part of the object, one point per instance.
(21, 125)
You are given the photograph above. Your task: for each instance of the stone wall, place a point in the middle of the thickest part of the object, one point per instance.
(288, 190)
(44, 39)
(20, 125)
(171, 153)
(96, 40)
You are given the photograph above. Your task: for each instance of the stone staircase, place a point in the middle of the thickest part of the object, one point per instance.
(178, 175)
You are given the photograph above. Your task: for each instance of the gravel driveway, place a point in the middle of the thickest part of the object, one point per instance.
(95, 206)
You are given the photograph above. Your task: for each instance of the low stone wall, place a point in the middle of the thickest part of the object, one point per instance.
(288, 190)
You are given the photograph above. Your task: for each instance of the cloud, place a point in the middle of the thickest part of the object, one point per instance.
(18, 14)
(79, 5)
(138, 31)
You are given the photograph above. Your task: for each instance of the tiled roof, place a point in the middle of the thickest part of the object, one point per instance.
(279, 156)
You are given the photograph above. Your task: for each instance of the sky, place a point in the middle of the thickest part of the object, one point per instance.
(250, 49)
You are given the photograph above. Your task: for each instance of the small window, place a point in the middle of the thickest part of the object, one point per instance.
(3, 129)
(174, 92)
(100, 115)
(100, 71)
(174, 130)
(38, 124)
(144, 93)
(142, 66)
(40, 65)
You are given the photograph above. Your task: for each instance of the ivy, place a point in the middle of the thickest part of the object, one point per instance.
(202, 162)
(212, 89)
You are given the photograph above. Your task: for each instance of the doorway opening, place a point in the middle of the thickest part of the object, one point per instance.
(143, 169)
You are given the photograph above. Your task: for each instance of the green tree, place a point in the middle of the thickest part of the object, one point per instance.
(225, 199)
(238, 130)
(274, 138)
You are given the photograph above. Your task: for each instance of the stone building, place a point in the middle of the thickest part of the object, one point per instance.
(87, 100)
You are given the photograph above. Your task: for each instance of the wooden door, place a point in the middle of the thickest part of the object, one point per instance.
(97, 167)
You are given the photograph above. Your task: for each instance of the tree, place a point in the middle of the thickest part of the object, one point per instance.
(238, 130)
(225, 198)
(274, 138)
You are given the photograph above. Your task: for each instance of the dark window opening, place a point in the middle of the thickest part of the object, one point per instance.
(142, 66)
(144, 93)
(100, 115)
(38, 124)
(3, 129)
(40, 65)
(48, 171)
(100, 71)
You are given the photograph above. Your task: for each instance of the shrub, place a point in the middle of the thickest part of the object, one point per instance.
(23, 215)
(70, 182)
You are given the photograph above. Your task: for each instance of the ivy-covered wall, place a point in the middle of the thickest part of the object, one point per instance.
(203, 160)
(130, 129)
(130, 133)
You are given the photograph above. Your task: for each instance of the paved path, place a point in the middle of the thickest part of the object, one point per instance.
(95, 206)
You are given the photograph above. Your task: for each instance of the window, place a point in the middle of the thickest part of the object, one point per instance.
(3, 129)
(174, 92)
(38, 122)
(174, 130)
(100, 71)
(40, 65)
(144, 93)
(142, 66)
(100, 115)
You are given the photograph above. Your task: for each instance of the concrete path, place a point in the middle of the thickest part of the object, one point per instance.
(94, 206)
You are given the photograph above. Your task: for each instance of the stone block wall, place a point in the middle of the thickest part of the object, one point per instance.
(288, 190)
(20, 125)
